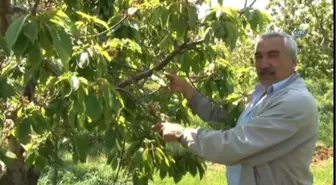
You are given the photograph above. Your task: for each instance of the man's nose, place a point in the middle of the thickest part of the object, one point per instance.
(264, 62)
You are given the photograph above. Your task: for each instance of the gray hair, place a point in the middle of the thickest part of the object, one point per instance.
(290, 43)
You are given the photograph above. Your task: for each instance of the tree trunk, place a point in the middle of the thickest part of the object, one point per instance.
(16, 173)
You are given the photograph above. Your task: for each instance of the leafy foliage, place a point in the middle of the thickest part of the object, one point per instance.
(316, 55)
(316, 45)
(94, 75)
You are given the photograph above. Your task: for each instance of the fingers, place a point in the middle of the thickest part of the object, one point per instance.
(170, 76)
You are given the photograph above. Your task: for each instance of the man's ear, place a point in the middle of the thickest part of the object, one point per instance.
(295, 62)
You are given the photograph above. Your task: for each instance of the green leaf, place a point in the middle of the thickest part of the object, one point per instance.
(30, 158)
(81, 144)
(133, 24)
(201, 169)
(40, 162)
(178, 23)
(177, 177)
(4, 45)
(108, 101)
(46, 41)
(186, 62)
(110, 138)
(7, 90)
(39, 123)
(10, 154)
(31, 31)
(253, 19)
(208, 34)
(192, 16)
(22, 130)
(56, 66)
(192, 167)
(94, 20)
(83, 60)
(63, 45)
(163, 174)
(114, 163)
(6, 158)
(74, 83)
(35, 56)
(165, 43)
(28, 75)
(64, 21)
(232, 34)
(15, 29)
(43, 76)
(21, 46)
(93, 107)
(138, 157)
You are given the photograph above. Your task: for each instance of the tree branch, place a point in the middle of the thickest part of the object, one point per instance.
(245, 4)
(160, 65)
(111, 28)
(5, 8)
(18, 9)
(246, 7)
(34, 9)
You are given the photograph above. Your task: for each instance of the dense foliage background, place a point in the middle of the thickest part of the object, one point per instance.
(83, 81)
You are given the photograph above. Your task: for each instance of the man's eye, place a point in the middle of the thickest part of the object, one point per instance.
(258, 57)
(273, 56)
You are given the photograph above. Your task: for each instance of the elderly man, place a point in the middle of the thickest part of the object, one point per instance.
(274, 139)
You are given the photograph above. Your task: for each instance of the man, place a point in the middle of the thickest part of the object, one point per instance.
(274, 139)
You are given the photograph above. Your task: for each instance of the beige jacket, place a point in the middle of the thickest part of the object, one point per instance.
(274, 148)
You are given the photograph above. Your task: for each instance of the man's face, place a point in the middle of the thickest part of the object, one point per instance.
(272, 61)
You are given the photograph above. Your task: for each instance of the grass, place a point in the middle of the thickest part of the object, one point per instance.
(215, 175)
(323, 172)
(95, 172)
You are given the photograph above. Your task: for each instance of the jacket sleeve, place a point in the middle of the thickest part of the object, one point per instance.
(208, 111)
(279, 122)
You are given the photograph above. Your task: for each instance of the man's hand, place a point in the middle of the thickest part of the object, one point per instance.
(177, 84)
(169, 131)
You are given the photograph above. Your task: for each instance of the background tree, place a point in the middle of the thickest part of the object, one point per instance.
(314, 18)
(78, 74)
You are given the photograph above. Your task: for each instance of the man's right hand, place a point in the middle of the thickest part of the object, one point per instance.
(177, 84)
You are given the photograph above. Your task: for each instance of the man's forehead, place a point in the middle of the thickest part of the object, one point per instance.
(270, 44)
(271, 41)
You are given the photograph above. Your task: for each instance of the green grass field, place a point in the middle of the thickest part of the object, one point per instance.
(95, 172)
(323, 173)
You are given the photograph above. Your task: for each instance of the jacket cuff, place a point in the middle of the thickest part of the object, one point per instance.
(189, 137)
(194, 100)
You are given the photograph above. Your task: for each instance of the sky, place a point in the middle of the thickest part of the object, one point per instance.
(259, 4)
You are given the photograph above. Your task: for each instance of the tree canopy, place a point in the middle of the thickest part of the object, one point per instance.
(76, 74)
(87, 77)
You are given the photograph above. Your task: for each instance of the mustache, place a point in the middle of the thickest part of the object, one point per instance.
(266, 71)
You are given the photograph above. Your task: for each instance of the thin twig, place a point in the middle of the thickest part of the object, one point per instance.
(246, 7)
(160, 65)
(121, 158)
(110, 29)
(127, 67)
(55, 177)
(245, 4)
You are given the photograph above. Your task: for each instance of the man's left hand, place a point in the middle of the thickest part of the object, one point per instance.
(169, 131)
